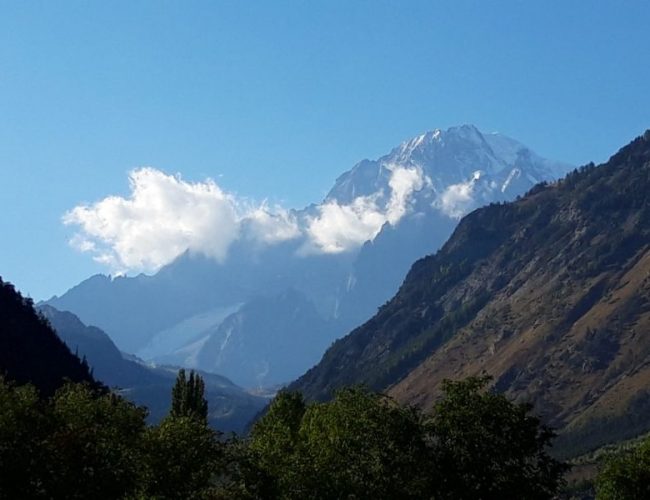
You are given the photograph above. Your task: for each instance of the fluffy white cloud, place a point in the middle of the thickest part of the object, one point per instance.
(458, 199)
(403, 182)
(164, 215)
(339, 228)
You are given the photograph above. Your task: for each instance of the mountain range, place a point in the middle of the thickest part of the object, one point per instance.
(549, 295)
(230, 407)
(268, 311)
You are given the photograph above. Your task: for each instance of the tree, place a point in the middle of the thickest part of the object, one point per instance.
(94, 446)
(86, 443)
(188, 397)
(360, 445)
(364, 445)
(23, 428)
(242, 476)
(183, 457)
(626, 475)
(274, 443)
(486, 447)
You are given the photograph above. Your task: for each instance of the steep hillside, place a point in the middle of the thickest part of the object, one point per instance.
(549, 294)
(230, 407)
(30, 351)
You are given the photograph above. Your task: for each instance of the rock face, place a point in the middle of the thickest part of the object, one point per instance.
(549, 294)
(348, 256)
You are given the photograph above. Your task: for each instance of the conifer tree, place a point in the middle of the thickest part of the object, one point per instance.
(188, 398)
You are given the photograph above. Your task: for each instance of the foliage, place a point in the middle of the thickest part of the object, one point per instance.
(487, 447)
(626, 475)
(188, 398)
(363, 445)
(94, 446)
(22, 428)
(84, 443)
(183, 455)
(275, 440)
(243, 477)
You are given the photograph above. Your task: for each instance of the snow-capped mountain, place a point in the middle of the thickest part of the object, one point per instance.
(455, 170)
(340, 259)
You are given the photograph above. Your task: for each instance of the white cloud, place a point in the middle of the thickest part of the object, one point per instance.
(403, 182)
(339, 228)
(272, 226)
(164, 215)
(458, 199)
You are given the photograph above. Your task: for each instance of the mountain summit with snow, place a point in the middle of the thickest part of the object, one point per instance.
(331, 264)
(457, 170)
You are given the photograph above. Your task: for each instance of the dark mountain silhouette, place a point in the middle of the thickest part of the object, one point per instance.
(549, 294)
(30, 351)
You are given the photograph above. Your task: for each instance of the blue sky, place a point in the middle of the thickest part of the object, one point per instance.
(273, 100)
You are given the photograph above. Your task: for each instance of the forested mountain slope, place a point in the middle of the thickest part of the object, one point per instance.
(549, 294)
(30, 351)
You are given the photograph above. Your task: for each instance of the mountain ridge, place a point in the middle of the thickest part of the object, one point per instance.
(230, 407)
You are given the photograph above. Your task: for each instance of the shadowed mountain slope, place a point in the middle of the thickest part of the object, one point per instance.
(30, 351)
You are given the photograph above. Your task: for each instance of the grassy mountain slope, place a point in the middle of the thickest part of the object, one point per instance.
(549, 294)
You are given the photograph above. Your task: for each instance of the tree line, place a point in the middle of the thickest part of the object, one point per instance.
(83, 443)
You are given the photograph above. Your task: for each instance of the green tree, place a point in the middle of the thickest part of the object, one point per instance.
(274, 443)
(626, 475)
(188, 398)
(364, 445)
(486, 447)
(184, 459)
(94, 447)
(184, 456)
(360, 445)
(243, 478)
(23, 428)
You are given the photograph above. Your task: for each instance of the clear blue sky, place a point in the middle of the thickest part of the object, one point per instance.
(275, 99)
